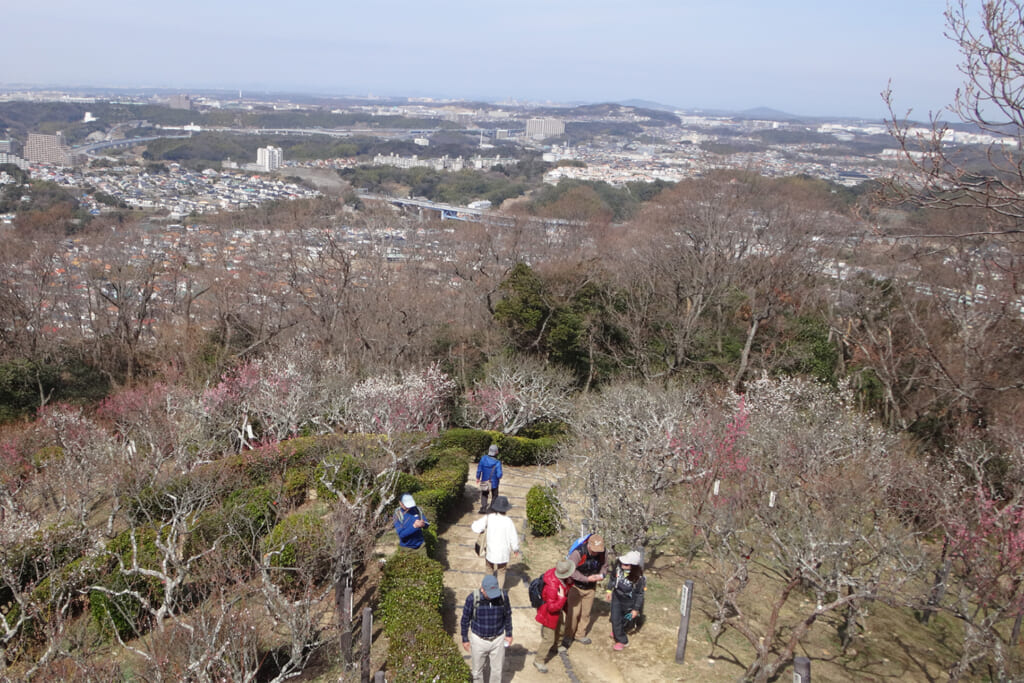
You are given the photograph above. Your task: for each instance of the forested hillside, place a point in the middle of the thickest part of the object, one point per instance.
(751, 377)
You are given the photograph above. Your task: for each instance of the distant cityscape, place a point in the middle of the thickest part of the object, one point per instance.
(632, 145)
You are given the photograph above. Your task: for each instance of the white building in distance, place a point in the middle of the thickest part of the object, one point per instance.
(269, 158)
(47, 149)
(544, 128)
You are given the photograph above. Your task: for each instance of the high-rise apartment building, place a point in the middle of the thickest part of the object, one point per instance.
(9, 158)
(544, 128)
(47, 149)
(180, 102)
(269, 158)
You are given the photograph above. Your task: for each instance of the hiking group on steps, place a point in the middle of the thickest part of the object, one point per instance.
(563, 595)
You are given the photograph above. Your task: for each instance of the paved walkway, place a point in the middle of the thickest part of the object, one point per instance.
(590, 663)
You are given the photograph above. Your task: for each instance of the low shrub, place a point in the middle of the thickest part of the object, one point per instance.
(301, 548)
(540, 430)
(46, 550)
(256, 508)
(517, 451)
(407, 483)
(411, 599)
(513, 450)
(543, 512)
(340, 472)
(122, 611)
(297, 481)
(442, 487)
(473, 441)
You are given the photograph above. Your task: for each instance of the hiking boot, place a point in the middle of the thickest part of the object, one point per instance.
(584, 640)
(540, 667)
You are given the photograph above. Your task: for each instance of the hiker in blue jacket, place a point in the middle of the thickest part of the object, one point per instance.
(409, 525)
(488, 476)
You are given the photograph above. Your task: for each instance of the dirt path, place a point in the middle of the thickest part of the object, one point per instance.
(590, 663)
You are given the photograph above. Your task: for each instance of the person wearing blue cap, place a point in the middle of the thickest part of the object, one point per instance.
(487, 628)
(409, 525)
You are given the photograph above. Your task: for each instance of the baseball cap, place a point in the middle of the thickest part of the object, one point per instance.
(408, 501)
(489, 587)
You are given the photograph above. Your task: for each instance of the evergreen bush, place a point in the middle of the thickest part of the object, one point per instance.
(411, 599)
(513, 450)
(442, 487)
(543, 511)
(297, 481)
(473, 441)
(517, 451)
(300, 546)
(125, 612)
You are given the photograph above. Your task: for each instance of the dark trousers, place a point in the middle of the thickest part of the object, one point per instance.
(619, 608)
(483, 496)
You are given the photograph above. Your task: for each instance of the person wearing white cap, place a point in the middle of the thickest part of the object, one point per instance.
(409, 525)
(488, 476)
(626, 588)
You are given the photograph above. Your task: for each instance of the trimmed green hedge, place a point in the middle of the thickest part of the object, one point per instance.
(473, 441)
(518, 451)
(513, 450)
(441, 488)
(411, 598)
(543, 510)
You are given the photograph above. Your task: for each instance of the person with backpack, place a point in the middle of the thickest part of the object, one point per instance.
(487, 628)
(409, 524)
(501, 538)
(488, 476)
(550, 612)
(626, 587)
(590, 564)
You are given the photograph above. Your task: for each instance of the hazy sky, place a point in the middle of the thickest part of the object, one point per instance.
(811, 57)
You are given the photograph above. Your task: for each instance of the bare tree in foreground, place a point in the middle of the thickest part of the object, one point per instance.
(991, 43)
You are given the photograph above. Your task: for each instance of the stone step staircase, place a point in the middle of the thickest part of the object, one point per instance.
(464, 572)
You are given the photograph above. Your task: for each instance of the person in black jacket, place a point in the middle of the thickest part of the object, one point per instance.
(626, 586)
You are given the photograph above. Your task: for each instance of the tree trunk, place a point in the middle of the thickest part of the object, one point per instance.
(939, 587)
(343, 613)
(755, 323)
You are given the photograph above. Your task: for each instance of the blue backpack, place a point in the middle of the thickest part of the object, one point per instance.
(577, 544)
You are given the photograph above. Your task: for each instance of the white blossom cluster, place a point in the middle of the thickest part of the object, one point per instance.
(809, 426)
(516, 392)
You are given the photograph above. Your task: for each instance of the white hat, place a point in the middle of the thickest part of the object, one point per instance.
(631, 558)
(407, 500)
(493, 450)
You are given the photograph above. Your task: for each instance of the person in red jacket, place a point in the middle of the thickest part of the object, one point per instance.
(550, 613)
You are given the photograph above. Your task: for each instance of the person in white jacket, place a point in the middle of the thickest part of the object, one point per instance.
(502, 538)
